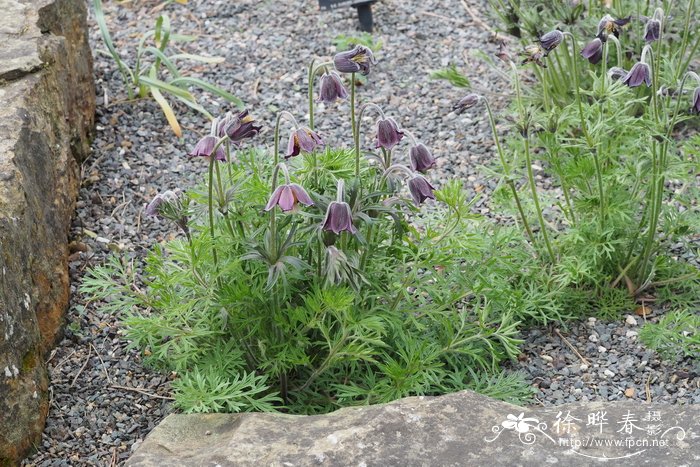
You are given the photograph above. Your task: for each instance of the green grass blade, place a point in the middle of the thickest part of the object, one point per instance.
(210, 88)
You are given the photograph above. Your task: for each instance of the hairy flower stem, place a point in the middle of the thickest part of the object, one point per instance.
(542, 76)
(312, 75)
(366, 253)
(212, 161)
(530, 175)
(229, 163)
(618, 49)
(604, 75)
(283, 113)
(657, 179)
(584, 127)
(273, 217)
(355, 130)
(222, 201)
(577, 85)
(684, 45)
(536, 199)
(506, 170)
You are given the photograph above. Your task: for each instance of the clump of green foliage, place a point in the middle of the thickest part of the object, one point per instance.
(146, 76)
(265, 304)
(452, 75)
(618, 149)
(676, 335)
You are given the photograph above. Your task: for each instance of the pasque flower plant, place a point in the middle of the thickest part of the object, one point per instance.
(305, 282)
(607, 139)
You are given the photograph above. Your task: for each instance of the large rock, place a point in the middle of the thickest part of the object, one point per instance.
(47, 104)
(455, 430)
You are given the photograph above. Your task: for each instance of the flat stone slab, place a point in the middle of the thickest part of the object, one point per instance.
(458, 429)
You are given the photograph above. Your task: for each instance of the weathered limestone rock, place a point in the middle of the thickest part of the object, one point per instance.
(47, 104)
(460, 429)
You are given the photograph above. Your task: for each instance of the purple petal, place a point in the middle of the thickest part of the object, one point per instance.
(640, 73)
(351, 61)
(306, 141)
(652, 30)
(420, 189)
(275, 198)
(301, 195)
(286, 202)
(593, 51)
(388, 133)
(551, 40)
(339, 218)
(292, 146)
(421, 159)
(696, 102)
(331, 88)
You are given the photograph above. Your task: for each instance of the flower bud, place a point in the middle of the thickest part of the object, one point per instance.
(695, 107)
(338, 218)
(420, 189)
(421, 159)
(388, 133)
(162, 203)
(551, 40)
(593, 51)
(640, 73)
(331, 88)
(465, 103)
(652, 29)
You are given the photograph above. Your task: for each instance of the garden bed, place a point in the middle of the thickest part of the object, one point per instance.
(103, 400)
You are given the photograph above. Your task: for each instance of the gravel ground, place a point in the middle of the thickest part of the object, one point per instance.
(103, 401)
(604, 361)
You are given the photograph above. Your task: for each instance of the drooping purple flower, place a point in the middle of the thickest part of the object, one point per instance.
(640, 73)
(420, 189)
(331, 88)
(465, 103)
(287, 197)
(535, 54)
(695, 107)
(388, 133)
(205, 147)
(421, 159)
(551, 40)
(653, 26)
(161, 200)
(593, 51)
(609, 25)
(302, 139)
(616, 73)
(339, 218)
(360, 59)
(238, 127)
(652, 30)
